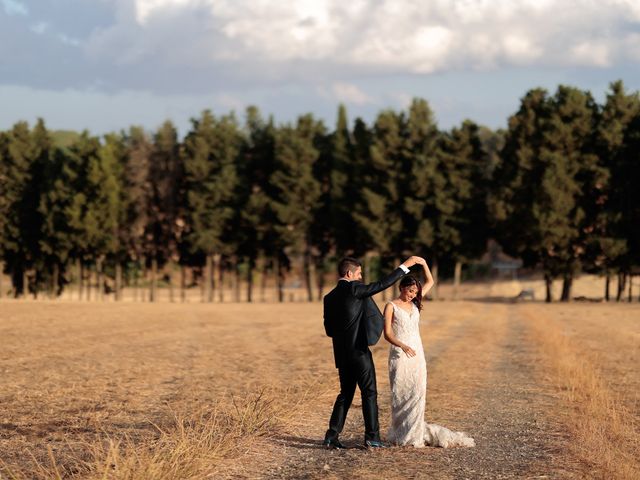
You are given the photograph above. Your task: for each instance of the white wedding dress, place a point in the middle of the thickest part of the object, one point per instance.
(408, 379)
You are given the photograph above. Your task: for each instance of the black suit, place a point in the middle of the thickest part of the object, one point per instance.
(353, 321)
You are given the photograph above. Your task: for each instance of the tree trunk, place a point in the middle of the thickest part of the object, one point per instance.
(236, 282)
(170, 276)
(263, 281)
(153, 285)
(630, 297)
(55, 285)
(548, 281)
(218, 274)
(622, 281)
(135, 284)
(320, 278)
(457, 274)
(566, 288)
(1, 274)
(279, 283)
(434, 274)
(220, 282)
(25, 284)
(118, 282)
(307, 275)
(87, 282)
(250, 280)
(607, 281)
(80, 275)
(100, 293)
(183, 283)
(208, 274)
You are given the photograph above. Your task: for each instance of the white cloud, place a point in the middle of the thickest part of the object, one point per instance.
(193, 45)
(396, 35)
(350, 94)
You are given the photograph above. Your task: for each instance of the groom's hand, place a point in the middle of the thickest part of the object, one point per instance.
(413, 260)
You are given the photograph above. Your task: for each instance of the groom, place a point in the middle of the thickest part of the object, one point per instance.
(353, 321)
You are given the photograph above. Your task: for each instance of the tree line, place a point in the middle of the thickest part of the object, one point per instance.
(557, 189)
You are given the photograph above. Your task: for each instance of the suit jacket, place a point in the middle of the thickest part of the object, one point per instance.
(351, 317)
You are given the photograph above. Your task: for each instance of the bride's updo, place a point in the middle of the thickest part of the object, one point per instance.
(409, 281)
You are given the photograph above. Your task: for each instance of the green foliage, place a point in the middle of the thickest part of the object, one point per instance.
(295, 190)
(557, 189)
(211, 149)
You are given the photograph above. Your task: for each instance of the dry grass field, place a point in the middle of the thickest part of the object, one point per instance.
(174, 391)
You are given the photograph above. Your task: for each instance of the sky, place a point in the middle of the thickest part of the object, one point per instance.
(104, 65)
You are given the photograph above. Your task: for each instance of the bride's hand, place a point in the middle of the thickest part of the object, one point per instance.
(410, 352)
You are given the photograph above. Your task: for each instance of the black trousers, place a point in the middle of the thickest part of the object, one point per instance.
(357, 370)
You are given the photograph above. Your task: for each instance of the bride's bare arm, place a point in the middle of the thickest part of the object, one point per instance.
(430, 282)
(388, 332)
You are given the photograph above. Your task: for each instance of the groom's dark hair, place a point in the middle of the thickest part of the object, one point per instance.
(348, 264)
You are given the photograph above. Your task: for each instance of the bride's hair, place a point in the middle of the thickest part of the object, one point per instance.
(409, 281)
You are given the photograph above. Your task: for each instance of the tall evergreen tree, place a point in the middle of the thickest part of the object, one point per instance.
(608, 247)
(254, 213)
(211, 149)
(93, 211)
(462, 230)
(516, 182)
(382, 187)
(166, 175)
(420, 198)
(16, 212)
(296, 194)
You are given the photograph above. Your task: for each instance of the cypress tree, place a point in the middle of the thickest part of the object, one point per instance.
(211, 150)
(381, 213)
(608, 248)
(462, 229)
(166, 177)
(254, 213)
(17, 214)
(296, 195)
(516, 182)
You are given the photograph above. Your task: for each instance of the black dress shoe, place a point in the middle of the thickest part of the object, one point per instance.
(374, 444)
(333, 444)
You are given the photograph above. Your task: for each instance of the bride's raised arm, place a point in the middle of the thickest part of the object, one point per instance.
(430, 282)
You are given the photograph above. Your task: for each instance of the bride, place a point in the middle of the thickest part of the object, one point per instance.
(408, 371)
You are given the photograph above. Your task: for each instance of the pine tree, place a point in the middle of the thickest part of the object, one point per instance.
(164, 230)
(516, 181)
(608, 247)
(53, 195)
(17, 214)
(211, 149)
(462, 230)
(135, 200)
(296, 195)
(571, 183)
(92, 213)
(253, 212)
(419, 200)
(381, 213)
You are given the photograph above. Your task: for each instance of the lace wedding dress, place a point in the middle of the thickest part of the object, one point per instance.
(408, 378)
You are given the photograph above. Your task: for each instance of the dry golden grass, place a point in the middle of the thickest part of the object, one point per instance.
(605, 431)
(172, 391)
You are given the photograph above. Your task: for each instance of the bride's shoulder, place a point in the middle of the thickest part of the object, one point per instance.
(389, 306)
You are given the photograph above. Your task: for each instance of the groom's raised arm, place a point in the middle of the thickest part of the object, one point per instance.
(361, 290)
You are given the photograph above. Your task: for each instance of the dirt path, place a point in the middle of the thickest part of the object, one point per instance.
(483, 379)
